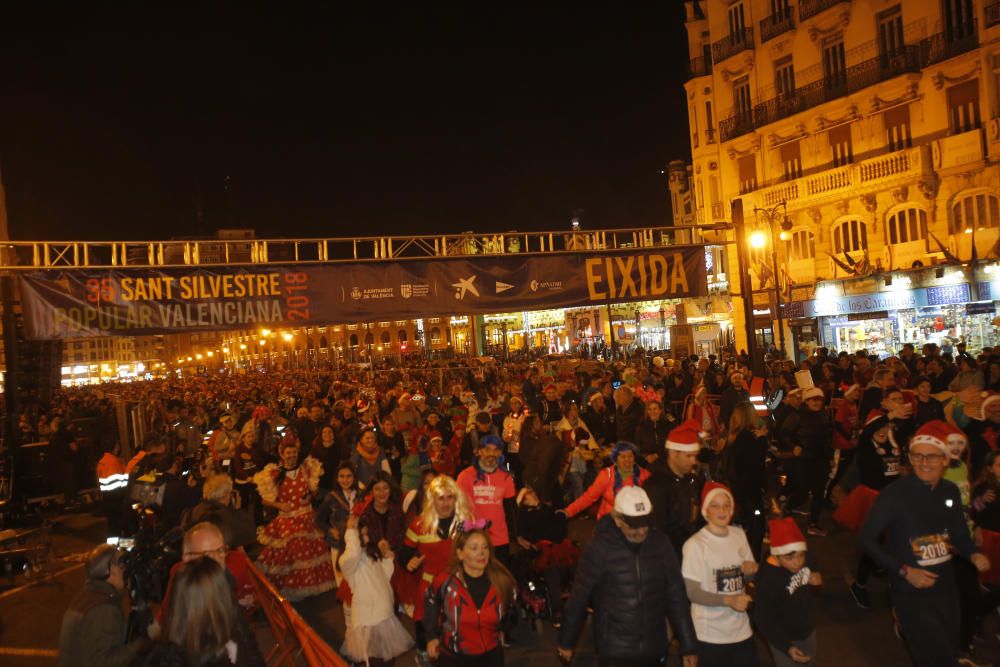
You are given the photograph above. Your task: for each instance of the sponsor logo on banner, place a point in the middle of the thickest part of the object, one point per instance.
(465, 286)
(407, 290)
(503, 287)
(372, 293)
(355, 293)
(546, 285)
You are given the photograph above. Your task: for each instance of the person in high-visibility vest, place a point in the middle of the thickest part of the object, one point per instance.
(113, 482)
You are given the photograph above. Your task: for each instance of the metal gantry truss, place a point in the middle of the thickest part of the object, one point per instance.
(61, 255)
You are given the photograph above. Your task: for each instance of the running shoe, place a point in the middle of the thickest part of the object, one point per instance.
(860, 595)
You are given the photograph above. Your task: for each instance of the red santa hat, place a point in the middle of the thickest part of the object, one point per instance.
(710, 491)
(935, 433)
(852, 391)
(685, 438)
(786, 538)
(434, 435)
(874, 415)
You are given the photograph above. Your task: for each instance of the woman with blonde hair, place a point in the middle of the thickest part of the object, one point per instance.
(203, 620)
(470, 606)
(428, 543)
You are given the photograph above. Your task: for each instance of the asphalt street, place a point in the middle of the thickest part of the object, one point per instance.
(31, 610)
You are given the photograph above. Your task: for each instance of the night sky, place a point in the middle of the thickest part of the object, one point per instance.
(124, 122)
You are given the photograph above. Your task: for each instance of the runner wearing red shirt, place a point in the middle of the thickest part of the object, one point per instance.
(491, 490)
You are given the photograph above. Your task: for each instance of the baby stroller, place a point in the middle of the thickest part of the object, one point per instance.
(545, 577)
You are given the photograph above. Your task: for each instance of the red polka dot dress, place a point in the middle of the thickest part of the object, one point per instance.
(295, 556)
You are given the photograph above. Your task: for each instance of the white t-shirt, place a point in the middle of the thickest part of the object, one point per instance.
(716, 563)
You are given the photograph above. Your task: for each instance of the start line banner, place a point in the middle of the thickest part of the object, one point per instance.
(129, 302)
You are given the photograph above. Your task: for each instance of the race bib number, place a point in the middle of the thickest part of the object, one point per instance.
(931, 549)
(891, 466)
(729, 580)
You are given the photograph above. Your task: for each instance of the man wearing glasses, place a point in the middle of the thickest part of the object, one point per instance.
(921, 517)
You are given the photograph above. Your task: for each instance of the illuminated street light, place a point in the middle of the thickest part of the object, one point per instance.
(243, 346)
(197, 356)
(225, 350)
(263, 342)
(758, 239)
(189, 358)
(210, 353)
(287, 336)
(265, 332)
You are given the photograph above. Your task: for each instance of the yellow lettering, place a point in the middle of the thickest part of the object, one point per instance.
(185, 287)
(678, 277)
(593, 280)
(642, 275)
(657, 283)
(275, 285)
(127, 293)
(627, 282)
(609, 270)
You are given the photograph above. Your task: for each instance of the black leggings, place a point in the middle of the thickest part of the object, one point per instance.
(866, 567)
(492, 658)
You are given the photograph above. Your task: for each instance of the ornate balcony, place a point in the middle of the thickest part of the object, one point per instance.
(878, 173)
(945, 45)
(777, 24)
(732, 44)
(700, 66)
(810, 8)
(855, 78)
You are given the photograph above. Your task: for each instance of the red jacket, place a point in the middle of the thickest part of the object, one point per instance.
(603, 489)
(451, 616)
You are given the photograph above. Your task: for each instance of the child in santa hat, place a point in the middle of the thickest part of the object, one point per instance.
(716, 564)
(783, 608)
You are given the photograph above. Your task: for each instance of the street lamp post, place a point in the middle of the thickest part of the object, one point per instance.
(757, 240)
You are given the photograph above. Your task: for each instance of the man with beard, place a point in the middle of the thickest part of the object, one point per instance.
(492, 493)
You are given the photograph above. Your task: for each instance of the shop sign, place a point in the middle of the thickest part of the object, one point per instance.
(866, 303)
(986, 308)
(860, 317)
(948, 294)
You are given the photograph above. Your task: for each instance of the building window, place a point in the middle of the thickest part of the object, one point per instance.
(850, 236)
(909, 224)
(890, 35)
(435, 336)
(401, 336)
(897, 128)
(834, 62)
(354, 340)
(780, 9)
(709, 122)
(747, 167)
(386, 338)
(791, 160)
(694, 125)
(975, 212)
(963, 107)
(959, 19)
(801, 246)
(840, 145)
(369, 340)
(784, 77)
(737, 23)
(741, 98)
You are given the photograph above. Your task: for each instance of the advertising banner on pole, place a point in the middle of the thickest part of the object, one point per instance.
(129, 302)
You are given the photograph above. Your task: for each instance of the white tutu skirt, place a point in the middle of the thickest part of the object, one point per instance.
(384, 641)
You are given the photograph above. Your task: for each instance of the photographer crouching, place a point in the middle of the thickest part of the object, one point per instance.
(94, 627)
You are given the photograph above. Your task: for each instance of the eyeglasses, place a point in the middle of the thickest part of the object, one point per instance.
(221, 551)
(929, 458)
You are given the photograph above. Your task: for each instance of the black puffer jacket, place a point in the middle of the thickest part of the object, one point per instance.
(651, 436)
(631, 588)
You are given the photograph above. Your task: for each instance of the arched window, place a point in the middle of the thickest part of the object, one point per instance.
(907, 224)
(401, 336)
(975, 211)
(369, 339)
(322, 343)
(435, 336)
(850, 236)
(802, 245)
(386, 338)
(354, 340)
